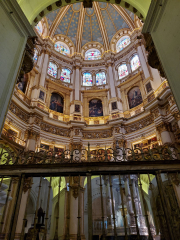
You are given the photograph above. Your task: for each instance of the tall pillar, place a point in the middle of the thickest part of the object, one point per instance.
(128, 66)
(73, 230)
(58, 73)
(111, 80)
(44, 68)
(129, 206)
(77, 83)
(163, 129)
(94, 79)
(143, 61)
(22, 211)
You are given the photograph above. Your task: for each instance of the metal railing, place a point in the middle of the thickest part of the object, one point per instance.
(109, 155)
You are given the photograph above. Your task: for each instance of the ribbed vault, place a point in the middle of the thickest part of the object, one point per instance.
(98, 24)
(36, 9)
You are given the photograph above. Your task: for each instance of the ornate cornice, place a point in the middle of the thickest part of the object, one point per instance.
(139, 124)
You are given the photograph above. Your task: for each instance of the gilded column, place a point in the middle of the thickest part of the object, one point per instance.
(77, 83)
(143, 61)
(111, 80)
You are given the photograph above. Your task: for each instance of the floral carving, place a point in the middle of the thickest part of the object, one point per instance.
(139, 124)
(55, 130)
(19, 113)
(99, 134)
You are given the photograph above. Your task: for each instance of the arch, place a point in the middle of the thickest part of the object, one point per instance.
(62, 48)
(134, 97)
(95, 108)
(56, 102)
(52, 69)
(122, 43)
(135, 62)
(34, 14)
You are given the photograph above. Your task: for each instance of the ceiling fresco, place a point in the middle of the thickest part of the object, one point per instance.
(68, 26)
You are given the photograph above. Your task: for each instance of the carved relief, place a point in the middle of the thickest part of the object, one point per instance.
(55, 130)
(155, 112)
(19, 113)
(139, 124)
(162, 127)
(27, 184)
(99, 134)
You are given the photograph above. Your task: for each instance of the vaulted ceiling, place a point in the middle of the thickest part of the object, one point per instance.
(101, 21)
(36, 9)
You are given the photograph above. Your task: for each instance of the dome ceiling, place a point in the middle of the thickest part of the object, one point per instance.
(103, 19)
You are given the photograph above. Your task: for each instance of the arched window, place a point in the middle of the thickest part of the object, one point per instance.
(122, 71)
(135, 63)
(65, 75)
(62, 48)
(95, 108)
(92, 54)
(134, 97)
(100, 78)
(35, 55)
(56, 103)
(38, 28)
(52, 69)
(122, 43)
(87, 79)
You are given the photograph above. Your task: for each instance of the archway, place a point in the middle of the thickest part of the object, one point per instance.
(34, 10)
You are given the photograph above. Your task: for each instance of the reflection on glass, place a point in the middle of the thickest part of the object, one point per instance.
(65, 75)
(100, 78)
(92, 55)
(59, 47)
(122, 43)
(35, 55)
(52, 70)
(135, 63)
(122, 71)
(87, 79)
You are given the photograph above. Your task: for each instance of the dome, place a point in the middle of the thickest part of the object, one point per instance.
(81, 26)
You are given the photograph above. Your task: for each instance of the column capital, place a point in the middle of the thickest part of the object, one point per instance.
(27, 184)
(162, 127)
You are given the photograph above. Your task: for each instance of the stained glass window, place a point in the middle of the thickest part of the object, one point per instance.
(59, 47)
(52, 69)
(135, 63)
(122, 43)
(65, 75)
(100, 78)
(35, 55)
(87, 79)
(122, 71)
(92, 55)
(38, 28)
